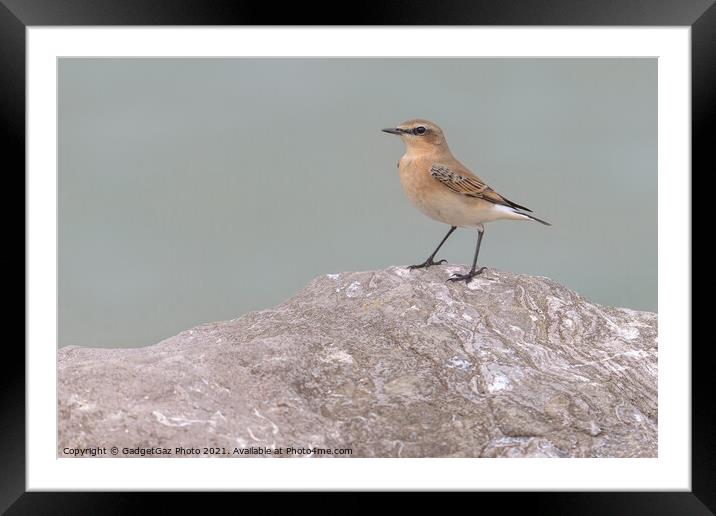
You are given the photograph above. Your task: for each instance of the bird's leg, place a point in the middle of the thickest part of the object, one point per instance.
(429, 261)
(467, 277)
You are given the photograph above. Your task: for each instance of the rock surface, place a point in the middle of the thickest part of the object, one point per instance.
(392, 363)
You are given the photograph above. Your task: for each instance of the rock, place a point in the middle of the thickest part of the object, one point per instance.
(392, 363)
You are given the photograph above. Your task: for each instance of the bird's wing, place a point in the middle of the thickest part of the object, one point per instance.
(466, 183)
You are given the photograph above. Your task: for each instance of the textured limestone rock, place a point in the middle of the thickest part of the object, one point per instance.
(389, 363)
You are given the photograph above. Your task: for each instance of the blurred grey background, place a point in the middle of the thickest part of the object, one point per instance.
(195, 190)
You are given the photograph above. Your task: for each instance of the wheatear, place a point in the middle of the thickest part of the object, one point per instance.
(445, 190)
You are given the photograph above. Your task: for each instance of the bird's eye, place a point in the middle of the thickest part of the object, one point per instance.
(420, 130)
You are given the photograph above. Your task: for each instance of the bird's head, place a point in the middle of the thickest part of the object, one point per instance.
(418, 133)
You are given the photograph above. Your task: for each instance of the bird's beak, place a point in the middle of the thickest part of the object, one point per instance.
(394, 130)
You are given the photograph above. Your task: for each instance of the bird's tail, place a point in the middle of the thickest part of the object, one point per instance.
(531, 217)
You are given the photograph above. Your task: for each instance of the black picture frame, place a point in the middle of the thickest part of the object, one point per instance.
(16, 15)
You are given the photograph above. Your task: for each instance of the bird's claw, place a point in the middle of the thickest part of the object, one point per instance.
(466, 277)
(427, 263)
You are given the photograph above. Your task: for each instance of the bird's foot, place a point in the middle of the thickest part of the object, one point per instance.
(466, 277)
(427, 263)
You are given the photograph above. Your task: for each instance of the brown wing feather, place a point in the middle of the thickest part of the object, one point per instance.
(466, 183)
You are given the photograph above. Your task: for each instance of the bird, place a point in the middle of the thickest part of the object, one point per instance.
(447, 191)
